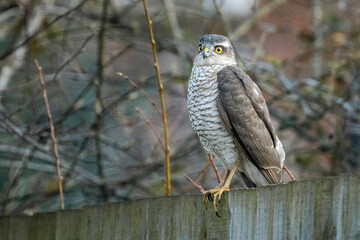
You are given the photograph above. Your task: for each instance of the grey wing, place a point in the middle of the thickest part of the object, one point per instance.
(245, 115)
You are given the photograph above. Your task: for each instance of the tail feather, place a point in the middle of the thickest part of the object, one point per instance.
(260, 176)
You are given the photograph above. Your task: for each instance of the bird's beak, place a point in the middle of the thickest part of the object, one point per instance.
(206, 53)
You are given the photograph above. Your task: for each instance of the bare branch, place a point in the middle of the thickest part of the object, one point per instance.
(53, 137)
(148, 122)
(245, 27)
(99, 104)
(162, 99)
(137, 87)
(288, 172)
(198, 186)
(31, 37)
(80, 50)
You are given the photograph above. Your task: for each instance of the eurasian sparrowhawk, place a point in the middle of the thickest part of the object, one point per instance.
(229, 114)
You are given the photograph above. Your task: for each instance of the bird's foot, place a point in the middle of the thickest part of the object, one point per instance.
(214, 195)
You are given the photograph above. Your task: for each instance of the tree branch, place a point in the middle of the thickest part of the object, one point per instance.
(53, 138)
(162, 99)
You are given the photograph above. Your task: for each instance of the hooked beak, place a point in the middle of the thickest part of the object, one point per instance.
(206, 53)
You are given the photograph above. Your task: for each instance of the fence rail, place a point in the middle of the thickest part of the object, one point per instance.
(325, 208)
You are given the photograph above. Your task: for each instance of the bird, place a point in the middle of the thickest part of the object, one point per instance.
(229, 114)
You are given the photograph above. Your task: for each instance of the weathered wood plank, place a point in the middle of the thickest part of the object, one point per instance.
(326, 208)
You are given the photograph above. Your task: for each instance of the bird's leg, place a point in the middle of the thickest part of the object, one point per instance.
(226, 175)
(218, 191)
(211, 159)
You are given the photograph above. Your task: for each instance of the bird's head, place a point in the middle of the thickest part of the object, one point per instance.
(215, 49)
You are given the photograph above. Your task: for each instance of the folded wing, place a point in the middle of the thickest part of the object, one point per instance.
(246, 117)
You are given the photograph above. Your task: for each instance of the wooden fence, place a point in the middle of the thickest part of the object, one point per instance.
(326, 208)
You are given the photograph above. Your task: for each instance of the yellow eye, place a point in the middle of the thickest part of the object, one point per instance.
(218, 49)
(199, 49)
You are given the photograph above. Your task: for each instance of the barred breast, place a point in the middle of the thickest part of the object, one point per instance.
(204, 116)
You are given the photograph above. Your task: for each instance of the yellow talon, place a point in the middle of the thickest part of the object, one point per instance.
(217, 192)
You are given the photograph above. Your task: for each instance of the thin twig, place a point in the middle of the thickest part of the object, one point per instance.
(85, 90)
(224, 20)
(8, 124)
(211, 159)
(137, 87)
(33, 36)
(265, 10)
(198, 176)
(318, 25)
(80, 50)
(68, 61)
(99, 104)
(201, 189)
(148, 122)
(289, 172)
(176, 32)
(162, 99)
(13, 179)
(52, 132)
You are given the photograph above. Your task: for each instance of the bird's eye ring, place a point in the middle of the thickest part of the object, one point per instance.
(218, 49)
(199, 49)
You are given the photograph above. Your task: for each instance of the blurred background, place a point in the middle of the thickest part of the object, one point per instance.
(303, 54)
